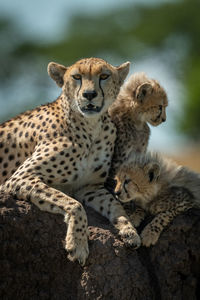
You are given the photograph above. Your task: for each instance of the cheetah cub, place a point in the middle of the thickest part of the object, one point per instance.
(158, 186)
(141, 100)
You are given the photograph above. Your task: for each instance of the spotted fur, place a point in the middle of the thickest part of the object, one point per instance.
(59, 154)
(158, 186)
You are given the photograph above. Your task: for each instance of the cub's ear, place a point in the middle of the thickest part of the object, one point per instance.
(153, 171)
(123, 70)
(56, 72)
(143, 90)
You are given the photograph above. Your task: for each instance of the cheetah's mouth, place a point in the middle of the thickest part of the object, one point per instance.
(91, 108)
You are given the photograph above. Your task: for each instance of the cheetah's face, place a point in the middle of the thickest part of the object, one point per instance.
(156, 114)
(152, 101)
(136, 183)
(91, 85)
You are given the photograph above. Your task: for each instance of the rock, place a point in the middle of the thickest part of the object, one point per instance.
(33, 263)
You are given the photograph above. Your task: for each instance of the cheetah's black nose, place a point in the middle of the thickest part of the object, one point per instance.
(89, 95)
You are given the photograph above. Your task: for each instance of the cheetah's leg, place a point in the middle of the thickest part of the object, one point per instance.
(152, 231)
(102, 201)
(54, 201)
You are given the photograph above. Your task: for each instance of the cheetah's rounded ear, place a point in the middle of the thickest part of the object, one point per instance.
(123, 70)
(56, 72)
(143, 90)
(153, 171)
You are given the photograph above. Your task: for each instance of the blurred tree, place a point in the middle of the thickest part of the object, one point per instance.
(122, 34)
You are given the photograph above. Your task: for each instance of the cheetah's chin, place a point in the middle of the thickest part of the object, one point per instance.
(91, 109)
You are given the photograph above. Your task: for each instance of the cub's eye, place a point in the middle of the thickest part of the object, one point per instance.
(104, 76)
(126, 181)
(77, 76)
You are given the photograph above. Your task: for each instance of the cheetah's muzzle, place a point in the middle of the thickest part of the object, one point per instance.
(91, 108)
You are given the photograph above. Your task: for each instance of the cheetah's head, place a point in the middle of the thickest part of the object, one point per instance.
(138, 179)
(90, 85)
(147, 96)
(152, 100)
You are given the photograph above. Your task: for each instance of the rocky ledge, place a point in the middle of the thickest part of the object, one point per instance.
(33, 262)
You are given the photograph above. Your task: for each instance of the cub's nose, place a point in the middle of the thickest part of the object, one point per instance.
(89, 95)
(117, 193)
(163, 119)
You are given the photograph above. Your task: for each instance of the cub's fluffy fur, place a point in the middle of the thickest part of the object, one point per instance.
(141, 100)
(158, 186)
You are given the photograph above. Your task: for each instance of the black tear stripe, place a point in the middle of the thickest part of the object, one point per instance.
(158, 117)
(101, 91)
(80, 87)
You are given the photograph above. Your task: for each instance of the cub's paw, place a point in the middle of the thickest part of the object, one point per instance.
(77, 248)
(130, 237)
(149, 237)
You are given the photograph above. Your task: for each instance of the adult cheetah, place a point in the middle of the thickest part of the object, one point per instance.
(59, 154)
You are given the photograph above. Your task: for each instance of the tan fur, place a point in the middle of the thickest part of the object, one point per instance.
(141, 100)
(67, 146)
(159, 186)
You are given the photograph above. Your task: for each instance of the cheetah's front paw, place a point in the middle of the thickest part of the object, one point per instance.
(77, 249)
(130, 237)
(149, 237)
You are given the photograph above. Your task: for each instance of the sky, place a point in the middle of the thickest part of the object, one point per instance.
(47, 19)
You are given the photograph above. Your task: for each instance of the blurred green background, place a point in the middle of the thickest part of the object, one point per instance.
(161, 38)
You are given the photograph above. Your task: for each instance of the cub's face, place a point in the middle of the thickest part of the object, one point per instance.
(156, 114)
(152, 102)
(91, 85)
(137, 183)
